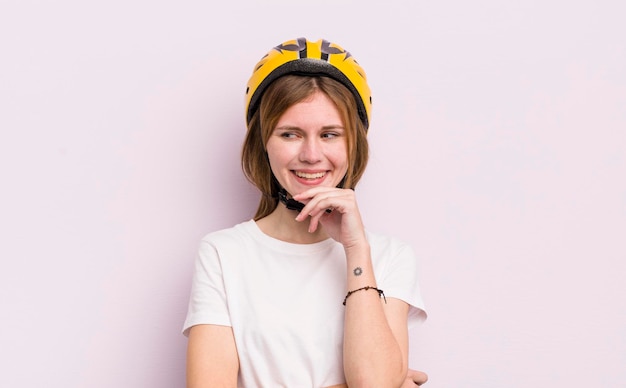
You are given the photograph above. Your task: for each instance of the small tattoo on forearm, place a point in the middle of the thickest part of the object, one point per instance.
(357, 271)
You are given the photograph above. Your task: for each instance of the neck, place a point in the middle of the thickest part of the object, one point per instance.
(282, 225)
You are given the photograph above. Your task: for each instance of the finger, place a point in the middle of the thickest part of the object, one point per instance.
(312, 206)
(316, 195)
(408, 383)
(318, 217)
(312, 192)
(320, 205)
(419, 378)
(313, 223)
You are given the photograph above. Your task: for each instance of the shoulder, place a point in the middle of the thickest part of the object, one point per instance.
(229, 243)
(235, 234)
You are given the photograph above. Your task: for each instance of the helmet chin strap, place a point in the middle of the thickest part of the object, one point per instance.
(289, 202)
(292, 204)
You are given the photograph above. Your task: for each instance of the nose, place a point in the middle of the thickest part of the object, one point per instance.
(311, 151)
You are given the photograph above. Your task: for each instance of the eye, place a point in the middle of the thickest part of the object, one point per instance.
(330, 135)
(288, 135)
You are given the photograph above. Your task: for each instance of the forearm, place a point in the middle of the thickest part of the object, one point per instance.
(372, 355)
(212, 359)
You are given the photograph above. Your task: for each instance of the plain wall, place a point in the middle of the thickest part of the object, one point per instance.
(498, 151)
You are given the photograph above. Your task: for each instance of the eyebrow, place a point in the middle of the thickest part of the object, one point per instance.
(293, 127)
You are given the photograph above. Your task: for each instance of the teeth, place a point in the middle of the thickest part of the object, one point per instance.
(310, 176)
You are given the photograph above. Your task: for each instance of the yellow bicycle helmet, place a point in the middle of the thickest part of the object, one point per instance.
(304, 57)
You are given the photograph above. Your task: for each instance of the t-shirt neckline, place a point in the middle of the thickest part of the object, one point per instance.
(256, 232)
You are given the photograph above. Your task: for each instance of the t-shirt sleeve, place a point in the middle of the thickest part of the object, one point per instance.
(400, 280)
(207, 302)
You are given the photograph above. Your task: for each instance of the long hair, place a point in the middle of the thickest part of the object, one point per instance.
(279, 96)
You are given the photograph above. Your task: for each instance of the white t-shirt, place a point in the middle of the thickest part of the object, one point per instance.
(284, 301)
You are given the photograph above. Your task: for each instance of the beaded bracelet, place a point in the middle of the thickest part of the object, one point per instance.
(380, 293)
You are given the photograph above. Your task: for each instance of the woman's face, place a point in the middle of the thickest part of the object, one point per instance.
(307, 147)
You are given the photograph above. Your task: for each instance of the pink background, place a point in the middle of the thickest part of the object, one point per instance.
(499, 152)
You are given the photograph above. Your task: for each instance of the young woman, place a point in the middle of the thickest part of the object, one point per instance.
(303, 295)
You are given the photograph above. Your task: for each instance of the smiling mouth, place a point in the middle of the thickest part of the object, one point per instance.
(305, 175)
